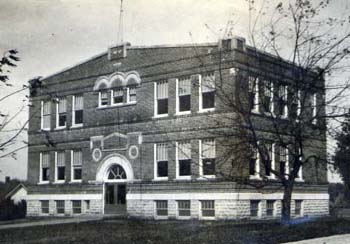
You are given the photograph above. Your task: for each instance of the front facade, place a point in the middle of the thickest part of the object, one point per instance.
(134, 131)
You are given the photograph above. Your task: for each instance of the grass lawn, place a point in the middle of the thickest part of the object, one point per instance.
(196, 232)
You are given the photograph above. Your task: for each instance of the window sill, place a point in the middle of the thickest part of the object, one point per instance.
(183, 178)
(58, 182)
(43, 182)
(254, 177)
(206, 177)
(161, 179)
(207, 110)
(183, 217)
(183, 113)
(207, 218)
(75, 126)
(75, 181)
(116, 105)
(45, 129)
(60, 128)
(161, 217)
(299, 180)
(160, 116)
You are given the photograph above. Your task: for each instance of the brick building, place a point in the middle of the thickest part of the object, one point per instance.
(132, 131)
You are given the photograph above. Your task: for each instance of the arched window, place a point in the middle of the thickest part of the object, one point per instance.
(116, 172)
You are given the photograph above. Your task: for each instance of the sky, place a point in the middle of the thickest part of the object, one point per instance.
(53, 34)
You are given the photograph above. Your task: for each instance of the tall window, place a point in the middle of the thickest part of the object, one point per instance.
(45, 167)
(207, 91)
(60, 206)
(207, 167)
(270, 207)
(298, 207)
(314, 108)
(208, 208)
(45, 206)
(267, 96)
(183, 159)
(161, 102)
(60, 166)
(254, 162)
(117, 96)
(295, 109)
(253, 93)
(78, 105)
(76, 206)
(61, 115)
(284, 160)
(283, 101)
(103, 99)
(270, 159)
(162, 208)
(45, 115)
(131, 94)
(254, 208)
(183, 102)
(161, 163)
(184, 208)
(77, 161)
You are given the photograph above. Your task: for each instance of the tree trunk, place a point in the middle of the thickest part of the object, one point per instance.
(286, 202)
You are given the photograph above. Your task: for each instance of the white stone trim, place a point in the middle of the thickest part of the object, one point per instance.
(111, 159)
(224, 196)
(41, 197)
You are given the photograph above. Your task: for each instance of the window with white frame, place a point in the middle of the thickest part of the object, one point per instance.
(208, 208)
(283, 101)
(314, 108)
(253, 93)
(161, 208)
(284, 160)
(78, 106)
(76, 164)
(270, 207)
(76, 206)
(103, 98)
(295, 109)
(207, 166)
(298, 207)
(45, 167)
(254, 162)
(267, 96)
(184, 159)
(131, 94)
(61, 115)
(161, 162)
(60, 207)
(207, 91)
(299, 175)
(254, 208)
(184, 208)
(60, 166)
(183, 100)
(45, 115)
(117, 96)
(270, 159)
(45, 207)
(161, 95)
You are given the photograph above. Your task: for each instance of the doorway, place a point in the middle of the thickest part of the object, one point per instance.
(115, 198)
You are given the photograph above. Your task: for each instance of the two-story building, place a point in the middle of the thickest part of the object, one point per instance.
(138, 130)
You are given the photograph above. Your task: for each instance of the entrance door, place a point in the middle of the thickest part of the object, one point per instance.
(115, 198)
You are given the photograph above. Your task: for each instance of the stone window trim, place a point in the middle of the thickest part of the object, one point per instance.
(60, 162)
(161, 209)
(156, 160)
(61, 113)
(77, 107)
(207, 209)
(76, 164)
(44, 156)
(185, 153)
(45, 122)
(206, 89)
(161, 92)
(182, 93)
(202, 157)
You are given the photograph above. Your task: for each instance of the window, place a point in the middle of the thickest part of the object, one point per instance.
(117, 96)
(314, 108)
(103, 98)
(77, 161)
(253, 93)
(270, 207)
(184, 208)
(183, 159)
(161, 208)
(267, 96)
(298, 207)
(87, 204)
(78, 105)
(45, 167)
(208, 208)
(254, 208)
(270, 160)
(131, 91)
(161, 164)
(254, 163)
(183, 102)
(207, 92)
(45, 115)
(283, 101)
(61, 115)
(284, 160)
(295, 110)
(60, 166)
(299, 175)
(45, 206)
(161, 103)
(60, 206)
(207, 167)
(76, 206)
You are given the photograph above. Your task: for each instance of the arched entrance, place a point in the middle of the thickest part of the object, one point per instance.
(115, 171)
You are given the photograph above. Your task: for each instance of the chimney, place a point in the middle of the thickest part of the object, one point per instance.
(118, 52)
(232, 43)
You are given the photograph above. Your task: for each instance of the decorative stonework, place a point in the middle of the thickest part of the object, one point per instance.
(117, 79)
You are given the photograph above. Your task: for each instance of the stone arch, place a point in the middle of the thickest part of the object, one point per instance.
(108, 162)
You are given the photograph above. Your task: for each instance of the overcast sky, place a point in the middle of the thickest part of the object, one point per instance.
(53, 34)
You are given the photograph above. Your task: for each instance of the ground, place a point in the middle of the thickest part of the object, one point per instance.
(141, 231)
